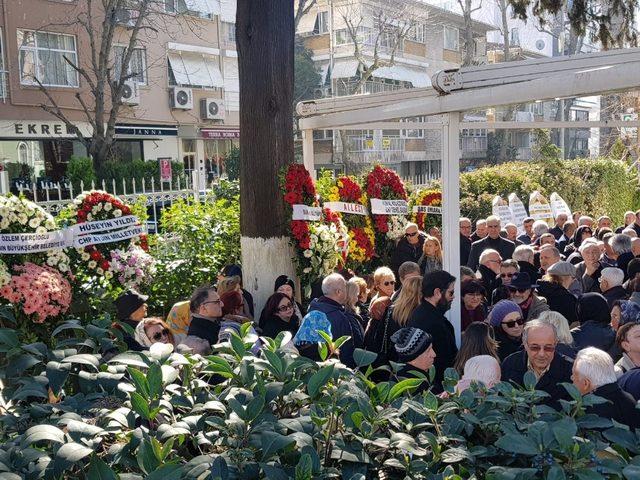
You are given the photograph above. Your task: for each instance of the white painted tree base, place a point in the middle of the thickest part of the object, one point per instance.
(263, 260)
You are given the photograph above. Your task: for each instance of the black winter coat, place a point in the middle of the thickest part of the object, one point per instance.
(530, 269)
(621, 406)
(503, 246)
(593, 334)
(490, 281)
(614, 294)
(429, 319)
(465, 248)
(515, 367)
(559, 299)
(405, 252)
(506, 344)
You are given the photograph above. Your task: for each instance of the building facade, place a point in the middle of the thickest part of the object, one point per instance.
(181, 101)
(430, 40)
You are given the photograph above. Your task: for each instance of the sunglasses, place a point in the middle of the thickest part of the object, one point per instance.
(546, 348)
(286, 307)
(512, 323)
(162, 333)
(506, 275)
(411, 234)
(519, 290)
(390, 282)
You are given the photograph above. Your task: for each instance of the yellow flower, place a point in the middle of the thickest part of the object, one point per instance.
(340, 184)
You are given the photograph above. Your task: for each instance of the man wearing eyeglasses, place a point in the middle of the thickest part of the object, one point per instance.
(465, 240)
(540, 358)
(206, 314)
(521, 292)
(409, 247)
(493, 241)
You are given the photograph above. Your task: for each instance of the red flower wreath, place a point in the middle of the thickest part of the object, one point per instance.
(384, 183)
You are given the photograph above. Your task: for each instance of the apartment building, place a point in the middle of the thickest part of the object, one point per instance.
(431, 41)
(181, 102)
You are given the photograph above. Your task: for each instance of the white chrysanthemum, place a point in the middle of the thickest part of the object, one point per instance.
(92, 264)
(117, 212)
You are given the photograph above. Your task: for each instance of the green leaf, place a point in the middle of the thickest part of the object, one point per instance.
(456, 455)
(402, 386)
(98, 470)
(154, 380)
(506, 473)
(8, 339)
(319, 379)
(57, 374)
(219, 469)
(587, 474)
(43, 432)
(556, 473)
(363, 357)
(323, 350)
(146, 457)
(238, 345)
(273, 442)
(73, 452)
(564, 430)
(304, 468)
(83, 359)
(166, 472)
(140, 382)
(631, 472)
(341, 341)
(254, 408)
(140, 405)
(516, 443)
(19, 364)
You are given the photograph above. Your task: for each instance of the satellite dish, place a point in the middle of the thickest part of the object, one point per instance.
(540, 44)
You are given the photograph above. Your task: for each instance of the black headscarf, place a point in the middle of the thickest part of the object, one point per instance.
(284, 280)
(594, 307)
(576, 240)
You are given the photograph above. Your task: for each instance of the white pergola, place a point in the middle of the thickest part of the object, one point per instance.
(474, 88)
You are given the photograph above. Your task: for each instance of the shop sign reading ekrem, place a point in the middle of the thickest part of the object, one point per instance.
(22, 129)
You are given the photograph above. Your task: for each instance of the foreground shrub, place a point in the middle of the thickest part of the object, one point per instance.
(157, 415)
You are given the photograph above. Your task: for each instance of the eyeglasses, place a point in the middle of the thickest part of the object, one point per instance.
(162, 333)
(389, 282)
(507, 275)
(411, 234)
(520, 290)
(213, 301)
(286, 307)
(512, 323)
(546, 348)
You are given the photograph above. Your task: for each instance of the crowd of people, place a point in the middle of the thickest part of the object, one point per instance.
(562, 303)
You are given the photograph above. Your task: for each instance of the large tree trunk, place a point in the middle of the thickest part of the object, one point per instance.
(265, 38)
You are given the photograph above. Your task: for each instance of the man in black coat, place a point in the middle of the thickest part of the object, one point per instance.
(539, 357)
(593, 373)
(437, 297)
(494, 241)
(556, 231)
(611, 280)
(409, 248)
(465, 240)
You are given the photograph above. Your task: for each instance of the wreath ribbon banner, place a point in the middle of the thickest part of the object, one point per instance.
(23, 243)
(104, 225)
(305, 212)
(427, 209)
(389, 207)
(344, 207)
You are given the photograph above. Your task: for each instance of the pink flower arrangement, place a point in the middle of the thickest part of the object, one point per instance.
(40, 291)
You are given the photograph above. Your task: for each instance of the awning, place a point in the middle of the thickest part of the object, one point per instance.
(307, 23)
(195, 70)
(228, 11)
(402, 73)
(211, 7)
(344, 69)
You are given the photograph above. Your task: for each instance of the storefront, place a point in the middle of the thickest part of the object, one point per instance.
(146, 142)
(217, 144)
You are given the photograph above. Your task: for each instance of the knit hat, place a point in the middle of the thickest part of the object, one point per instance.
(129, 302)
(311, 324)
(630, 312)
(284, 280)
(410, 343)
(501, 310)
(562, 269)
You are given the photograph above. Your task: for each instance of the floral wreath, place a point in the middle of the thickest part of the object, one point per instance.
(360, 229)
(429, 198)
(383, 183)
(98, 261)
(317, 243)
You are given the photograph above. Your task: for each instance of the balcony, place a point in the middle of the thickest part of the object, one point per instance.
(370, 150)
(473, 147)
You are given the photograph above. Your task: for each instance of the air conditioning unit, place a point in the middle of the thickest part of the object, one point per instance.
(130, 93)
(540, 44)
(212, 109)
(321, 92)
(182, 98)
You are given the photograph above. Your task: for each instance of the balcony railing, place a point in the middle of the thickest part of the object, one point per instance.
(473, 147)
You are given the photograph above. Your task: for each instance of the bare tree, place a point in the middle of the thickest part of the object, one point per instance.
(101, 23)
(302, 8)
(469, 44)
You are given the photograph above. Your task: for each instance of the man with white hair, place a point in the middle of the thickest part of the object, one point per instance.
(481, 230)
(593, 372)
(635, 246)
(409, 247)
(611, 280)
(489, 270)
(493, 240)
(540, 227)
(585, 220)
(622, 248)
(629, 218)
(636, 224)
(465, 239)
(556, 231)
(524, 255)
(512, 233)
(540, 358)
(331, 303)
(589, 270)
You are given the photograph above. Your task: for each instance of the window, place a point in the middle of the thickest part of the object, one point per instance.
(323, 134)
(514, 37)
(416, 33)
(187, 69)
(196, 8)
(45, 56)
(413, 133)
(322, 22)
(581, 115)
(451, 38)
(137, 65)
(229, 30)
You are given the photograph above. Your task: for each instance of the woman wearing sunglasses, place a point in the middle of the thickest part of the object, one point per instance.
(279, 316)
(384, 283)
(431, 258)
(153, 330)
(507, 322)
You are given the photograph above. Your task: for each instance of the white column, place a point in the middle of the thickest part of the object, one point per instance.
(451, 208)
(307, 152)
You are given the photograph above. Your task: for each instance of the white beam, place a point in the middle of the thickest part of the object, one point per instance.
(451, 211)
(307, 152)
(549, 124)
(592, 82)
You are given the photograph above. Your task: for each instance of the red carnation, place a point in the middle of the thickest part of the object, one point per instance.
(105, 265)
(95, 255)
